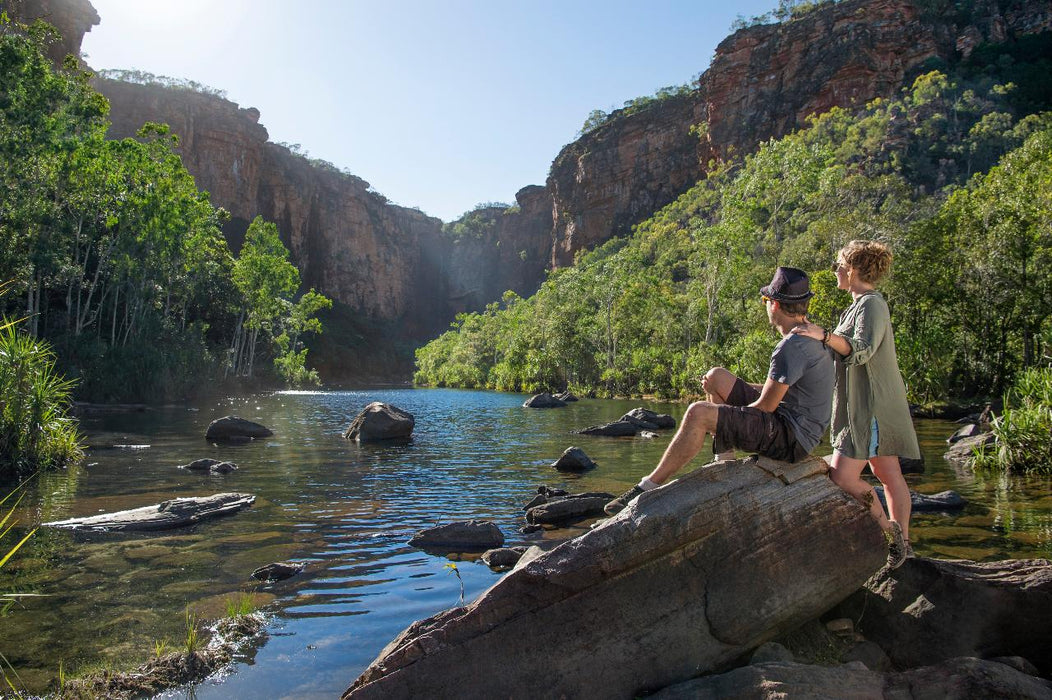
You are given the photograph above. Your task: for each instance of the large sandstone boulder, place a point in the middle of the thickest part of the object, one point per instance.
(380, 421)
(930, 610)
(543, 400)
(687, 578)
(235, 428)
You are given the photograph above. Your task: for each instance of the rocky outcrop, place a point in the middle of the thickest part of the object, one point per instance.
(955, 678)
(72, 18)
(929, 610)
(688, 577)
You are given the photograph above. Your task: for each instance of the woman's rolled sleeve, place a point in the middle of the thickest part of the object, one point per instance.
(866, 332)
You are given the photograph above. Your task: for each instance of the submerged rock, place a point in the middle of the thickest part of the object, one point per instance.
(464, 536)
(673, 586)
(212, 466)
(380, 421)
(234, 428)
(163, 516)
(574, 459)
(502, 558)
(278, 571)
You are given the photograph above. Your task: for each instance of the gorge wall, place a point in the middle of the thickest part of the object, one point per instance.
(397, 268)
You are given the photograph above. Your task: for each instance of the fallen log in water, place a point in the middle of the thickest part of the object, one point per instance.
(686, 579)
(163, 516)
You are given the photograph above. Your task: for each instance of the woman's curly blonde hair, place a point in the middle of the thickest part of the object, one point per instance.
(871, 260)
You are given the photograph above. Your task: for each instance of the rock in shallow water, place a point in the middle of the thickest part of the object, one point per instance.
(235, 428)
(573, 459)
(464, 536)
(380, 421)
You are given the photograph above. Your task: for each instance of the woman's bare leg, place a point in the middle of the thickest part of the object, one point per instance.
(846, 473)
(896, 491)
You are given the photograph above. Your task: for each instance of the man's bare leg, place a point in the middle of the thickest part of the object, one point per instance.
(697, 423)
(718, 383)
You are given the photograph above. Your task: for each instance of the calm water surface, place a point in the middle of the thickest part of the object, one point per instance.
(347, 511)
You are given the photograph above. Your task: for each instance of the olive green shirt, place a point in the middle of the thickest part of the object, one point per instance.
(869, 385)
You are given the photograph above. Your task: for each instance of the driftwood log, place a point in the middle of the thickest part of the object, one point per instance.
(163, 516)
(687, 578)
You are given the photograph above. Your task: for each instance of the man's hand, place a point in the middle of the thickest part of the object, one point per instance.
(771, 395)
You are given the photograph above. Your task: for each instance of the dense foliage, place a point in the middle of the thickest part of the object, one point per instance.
(947, 174)
(118, 259)
(1024, 431)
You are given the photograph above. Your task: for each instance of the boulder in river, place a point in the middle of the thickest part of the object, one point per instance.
(380, 421)
(163, 516)
(503, 557)
(649, 420)
(211, 466)
(464, 536)
(620, 428)
(278, 571)
(568, 508)
(961, 452)
(566, 397)
(966, 431)
(573, 459)
(930, 610)
(687, 578)
(543, 400)
(235, 429)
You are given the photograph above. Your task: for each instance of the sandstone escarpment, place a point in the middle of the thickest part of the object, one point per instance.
(764, 81)
(72, 18)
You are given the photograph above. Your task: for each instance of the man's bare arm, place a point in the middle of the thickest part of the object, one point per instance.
(771, 395)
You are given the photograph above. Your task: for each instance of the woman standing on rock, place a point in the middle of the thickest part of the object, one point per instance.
(871, 420)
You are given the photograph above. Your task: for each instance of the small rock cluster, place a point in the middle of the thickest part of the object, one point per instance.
(637, 421)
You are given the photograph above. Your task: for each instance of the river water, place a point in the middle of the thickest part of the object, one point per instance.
(347, 511)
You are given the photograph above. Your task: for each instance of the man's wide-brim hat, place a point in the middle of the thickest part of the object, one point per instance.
(789, 284)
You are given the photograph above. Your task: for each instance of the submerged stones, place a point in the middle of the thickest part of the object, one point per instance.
(380, 421)
(210, 466)
(236, 429)
(166, 515)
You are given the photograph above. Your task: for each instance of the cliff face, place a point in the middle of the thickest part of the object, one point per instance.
(763, 82)
(72, 18)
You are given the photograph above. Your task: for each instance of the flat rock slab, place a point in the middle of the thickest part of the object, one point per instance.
(177, 512)
(619, 428)
(920, 503)
(687, 578)
(236, 429)
(465, 536)
(381, 421)
(543, 401)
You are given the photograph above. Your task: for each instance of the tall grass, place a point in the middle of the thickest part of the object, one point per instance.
(1024, 431)
(35, 430)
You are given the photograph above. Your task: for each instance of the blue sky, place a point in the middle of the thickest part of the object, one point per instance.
(439, 104)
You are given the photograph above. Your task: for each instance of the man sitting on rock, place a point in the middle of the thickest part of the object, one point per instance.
(782, 419)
